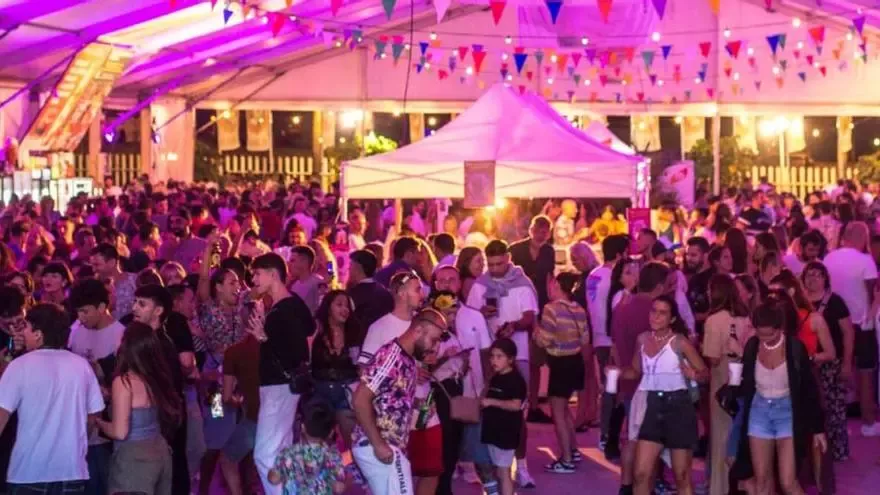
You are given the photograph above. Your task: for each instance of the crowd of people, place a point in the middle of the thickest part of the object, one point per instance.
(161, 340)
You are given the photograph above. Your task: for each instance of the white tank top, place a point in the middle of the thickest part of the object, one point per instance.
(771, 384)
(662, 373)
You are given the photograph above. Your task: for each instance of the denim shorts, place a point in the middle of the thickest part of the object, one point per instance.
(336, 394)
(770, 419)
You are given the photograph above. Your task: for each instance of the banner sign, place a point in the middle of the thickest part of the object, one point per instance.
(479, 184)
(679, 178)
(637, 219)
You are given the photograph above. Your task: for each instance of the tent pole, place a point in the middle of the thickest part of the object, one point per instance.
(716, 154)
(398, 214)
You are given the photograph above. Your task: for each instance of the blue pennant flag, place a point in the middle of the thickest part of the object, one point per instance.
(554, 6)
(520, 60)
(666, 50)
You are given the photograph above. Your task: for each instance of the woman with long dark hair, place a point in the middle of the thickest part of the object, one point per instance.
(780, 416)
(333, 367)
(735, 241)
(146, 410)
(471, 265)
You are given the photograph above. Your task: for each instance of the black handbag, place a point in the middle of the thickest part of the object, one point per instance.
(299, 380)
(727, 397)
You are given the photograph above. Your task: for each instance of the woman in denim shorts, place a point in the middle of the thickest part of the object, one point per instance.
(780, 418)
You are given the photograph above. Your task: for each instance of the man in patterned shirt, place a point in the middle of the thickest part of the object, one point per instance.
(383, 405)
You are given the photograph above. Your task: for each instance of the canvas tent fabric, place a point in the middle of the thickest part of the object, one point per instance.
(599, 132)
(534, 156)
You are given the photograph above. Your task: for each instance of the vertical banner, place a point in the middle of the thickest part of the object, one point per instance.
(679, 177)
(227, 130)
(416, 126)
(637, 219)
(259, 130)
(692, 130)
(479, 184)
(645, 132)
(745, 130)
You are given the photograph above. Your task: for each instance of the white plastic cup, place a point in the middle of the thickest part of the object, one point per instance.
(611, 380)
(735, 373)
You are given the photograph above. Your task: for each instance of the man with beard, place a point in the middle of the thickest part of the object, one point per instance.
(181, 246)
(383, 405)
(283, 330)
(812, 247)
(698, 270)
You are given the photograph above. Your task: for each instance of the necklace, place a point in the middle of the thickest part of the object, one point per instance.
(774, 346)
(662, 337)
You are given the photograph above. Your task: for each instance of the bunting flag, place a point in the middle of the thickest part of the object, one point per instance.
(823, 70)
(733, 47)
(214, 4)
(783, 64)
(817, 33)
(440, 7)
(648, 58)
(561, 62)
(452, 63)
(809, 59)
(334, 6)
(780, 82)
(604, 8)
(227, 14)
(419, 68)
(603, 80)
(803, 76)
(396, 48)
(522, 89)
(776, 41)
(276, 22)
(497, 8)
(758, 85)
(462, 52)
(520, 60)
(380, 45)
(629, 53)
(245, 9)
(653, 78)
(570, 95)
(442, 74)
(388, 5)
(859, 24)
(423, 47)
(797, 54)
(660, 7)
(715, 5)
(539, 56)
(575, 59)
(705, 48)
(640, 96)
(530, 75)
(710, 92)
(577, 79)
(554, 6)
(666, 49)
(478, 56)
(591, 54)
(753, 63)
(727, 72)
(768, 5)
(687, 94)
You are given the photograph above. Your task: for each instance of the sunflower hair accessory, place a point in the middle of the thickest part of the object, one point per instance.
(444, 301)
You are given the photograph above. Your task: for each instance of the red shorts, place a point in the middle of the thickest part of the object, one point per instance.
(425, 452)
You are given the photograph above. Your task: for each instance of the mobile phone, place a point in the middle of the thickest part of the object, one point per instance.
(217, 405)
(330, 269)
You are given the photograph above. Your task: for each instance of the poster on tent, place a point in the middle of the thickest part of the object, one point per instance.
(679, 178)
(77, 98)
(479, 184)
(637, 219)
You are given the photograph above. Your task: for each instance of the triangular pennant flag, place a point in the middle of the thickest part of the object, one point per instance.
(288, 3)
(520, 60)
(423, 47)
(780, 82)
(710, 92)
(797, 54)
(604, 59)
(782, 38)
(504, 71)
(539, 56)
(629, 53)
(859, 24)
(836, 53)
(773, 40)
(704, 67)
(660, 7)
(823, 70)
(753, 62)
(462, 79)
(715, 5)
(705, 48)
(522, 89)
(462, 52)
(452, 63)
(561, 61)
(419, 68)
(817, 33)
(594, 96)
(497, 8)
(604, 8)
(733, 47)
(819, 49)
(214, 4)
(440, 7)
(640, 96)
(768, 4)
(783, 64)
(478, 59)
(618, 97)
(603, 79)
(576, 78)
(548, 70)
(666, 49)
(334, 6)
(380, 47)
(803, 76)
(442, 74)
(226, 15)
(530, 75)
(687, 94)
(388, 5)
(245, 9)
(397, 48)
(653, 78)
(554, 6)
(591, 54)
(758, 85)
(702, 75)
(648, 58)
(570, 95)
(617, 71)
(276, 22)
(809, 59)
(728, 71)
(575, 59)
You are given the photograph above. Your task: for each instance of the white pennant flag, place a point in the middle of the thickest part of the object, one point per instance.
(441, 6)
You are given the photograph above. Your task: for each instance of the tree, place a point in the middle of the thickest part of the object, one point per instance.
(206, 163)
(736, 162)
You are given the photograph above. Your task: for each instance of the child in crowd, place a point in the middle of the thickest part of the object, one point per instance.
(503, 403)
(313, 465)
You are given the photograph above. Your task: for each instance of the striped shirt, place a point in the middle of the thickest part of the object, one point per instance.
(564, 322)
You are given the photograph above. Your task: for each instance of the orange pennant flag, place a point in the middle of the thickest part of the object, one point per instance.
(715, 5)
(561, 62)
(289, 3)
(780, 82)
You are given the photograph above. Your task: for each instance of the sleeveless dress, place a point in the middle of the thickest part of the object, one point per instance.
(142, 462)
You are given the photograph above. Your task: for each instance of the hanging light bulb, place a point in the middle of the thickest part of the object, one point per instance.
(554, 58)
(849, 36)
(585, 41)
(800, 45)
(655, 36)
(750, 51)
(727, 32)
(660, 82)
(736, 76)
(508, 40)
(697, 80)
(433, 36)
(796, 22)
(587, 82)
(505, 56)
(776, 70)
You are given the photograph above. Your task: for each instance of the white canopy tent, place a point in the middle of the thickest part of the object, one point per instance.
(534, 156)
(599, 132)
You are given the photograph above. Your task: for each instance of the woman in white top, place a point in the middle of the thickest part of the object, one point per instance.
(667, 363)
(624, 280)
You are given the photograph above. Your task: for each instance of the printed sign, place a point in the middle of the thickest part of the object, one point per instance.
(637, 219)
(679, 177)
(479, 184)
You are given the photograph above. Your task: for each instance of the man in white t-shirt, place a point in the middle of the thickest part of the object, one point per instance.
(57, 397)
(96, 336)
(614, 248)
(406, 288)
(853, 276)
(509, 301)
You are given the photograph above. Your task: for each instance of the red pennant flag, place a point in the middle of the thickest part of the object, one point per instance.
(797, 54)
(530, 75)
(752, 61)
(277, 22)
(727, 72)
(780, 82)
(442, 74)
(604, 8)
(818, 34)
(810, 59)
(173, 4)
(640, 96)
(705, 48)
(462, 52)
(548, 70)
(617, 71)
(575, 59)
(823, 70)
(497, 8)
(522, 89)
(213, 4)
(733, 48)
(629, 52)
(334, 6)
(603, 79)
(677, 68)
(710, 92)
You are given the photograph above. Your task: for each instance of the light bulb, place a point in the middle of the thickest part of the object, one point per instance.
(585, 41)
(750, 51)
(876, 141)
(510, 77)
(816, 133)
(800, 45)
(504, 56)
(587, 82)
(849, 36)
(655, 36)
(508, 40)
(736, 76)
(727, 32)
(660, 82)
(553, 58)
(796, 22)
(433, 36)
(469, 71)
(775, 70)
(697, 80)
(549, 80)
(678, 119)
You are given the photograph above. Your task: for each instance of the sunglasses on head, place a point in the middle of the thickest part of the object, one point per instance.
(403, 278)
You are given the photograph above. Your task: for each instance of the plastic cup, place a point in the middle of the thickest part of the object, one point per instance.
(611, 381)
(735, 373)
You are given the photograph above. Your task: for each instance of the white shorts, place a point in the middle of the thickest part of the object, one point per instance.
(500, 457)
(385, 479)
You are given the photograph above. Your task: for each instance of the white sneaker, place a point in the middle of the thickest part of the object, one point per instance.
(871, 431)
(523, 478)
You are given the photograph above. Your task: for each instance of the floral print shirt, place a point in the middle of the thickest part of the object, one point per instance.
(124, 289)
(391, 376)
(222, 327)
(311, 468)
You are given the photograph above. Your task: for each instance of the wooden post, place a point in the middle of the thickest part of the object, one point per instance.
(146, 135)
(93, 168)
(716, 154)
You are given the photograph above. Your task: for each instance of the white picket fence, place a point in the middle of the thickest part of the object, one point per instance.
(801, 181)
(292, 167)
(123, 167)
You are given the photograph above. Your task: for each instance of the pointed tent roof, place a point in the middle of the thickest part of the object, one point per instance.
(534, 155)
(599, 132)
